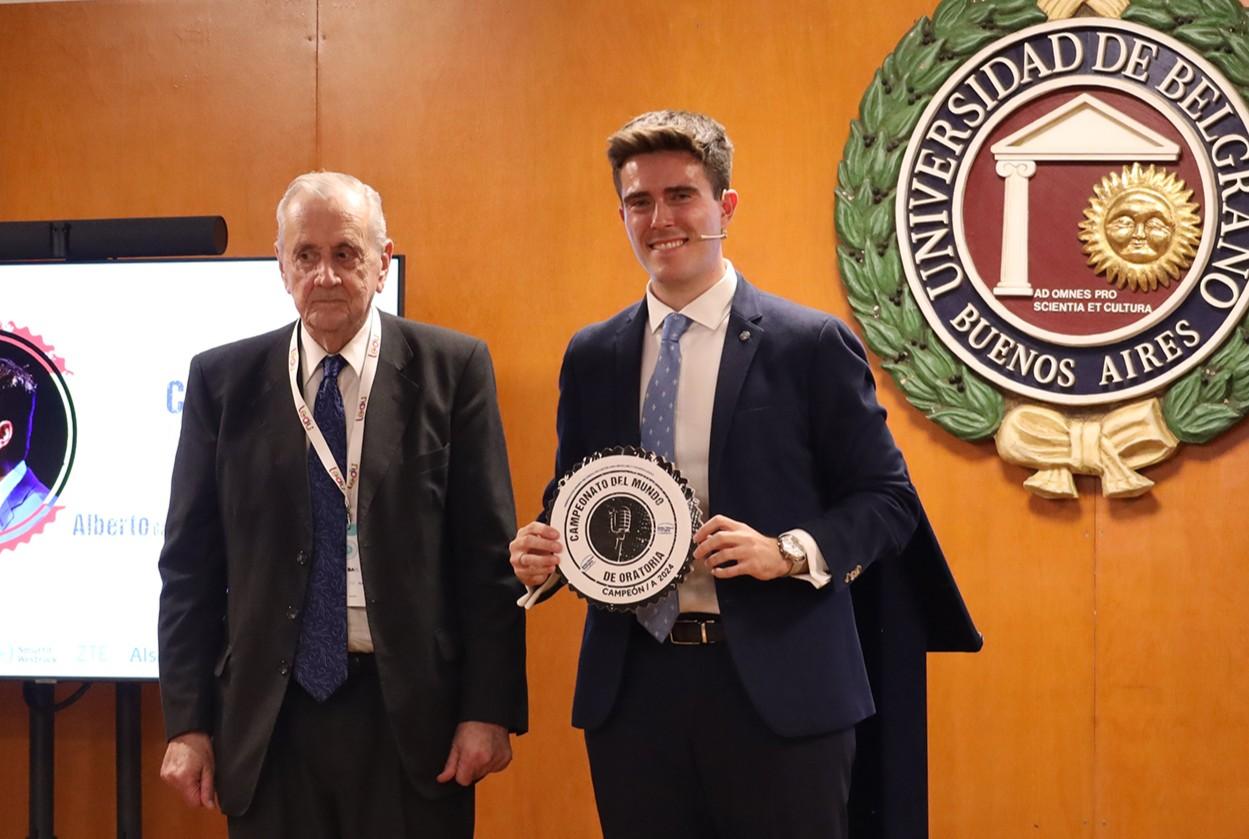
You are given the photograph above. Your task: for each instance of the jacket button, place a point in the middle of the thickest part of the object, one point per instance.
(283, 668)
(301, 558)
(292, 612)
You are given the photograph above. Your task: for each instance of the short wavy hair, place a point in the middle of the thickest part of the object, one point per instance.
(655, 131)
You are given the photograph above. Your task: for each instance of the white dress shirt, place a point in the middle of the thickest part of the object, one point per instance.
(359, 640)
(701, 348)
(10, 481)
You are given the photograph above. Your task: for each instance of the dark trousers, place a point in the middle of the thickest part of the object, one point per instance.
(684, 755)
(332, 772)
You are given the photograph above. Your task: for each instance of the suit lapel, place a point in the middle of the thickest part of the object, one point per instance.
(741, 341)
(395, 392)
(628, 376)
(283, 435)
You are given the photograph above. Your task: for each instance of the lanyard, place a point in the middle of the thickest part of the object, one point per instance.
(350, 485)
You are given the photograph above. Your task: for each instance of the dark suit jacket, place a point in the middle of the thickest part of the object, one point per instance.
(797, 440)
(23, 501)
(436, 514)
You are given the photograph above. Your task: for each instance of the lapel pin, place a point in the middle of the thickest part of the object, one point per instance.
(744, 335)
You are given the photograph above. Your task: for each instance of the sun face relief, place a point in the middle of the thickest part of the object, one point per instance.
(1140, 229)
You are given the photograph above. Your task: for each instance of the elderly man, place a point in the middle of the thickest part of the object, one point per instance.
(728, 709)
(339, 653)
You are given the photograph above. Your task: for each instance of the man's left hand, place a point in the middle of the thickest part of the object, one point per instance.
(477, 749)
(746, 551)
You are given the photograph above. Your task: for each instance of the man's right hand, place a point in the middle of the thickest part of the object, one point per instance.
(188, 768)
(535, 553)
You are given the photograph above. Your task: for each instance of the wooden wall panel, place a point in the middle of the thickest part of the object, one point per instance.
(1011, 728)
(1172, 663)
(1105, 701)
(140, 109)
(151, 108)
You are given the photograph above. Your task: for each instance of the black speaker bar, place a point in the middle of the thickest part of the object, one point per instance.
(113, 238)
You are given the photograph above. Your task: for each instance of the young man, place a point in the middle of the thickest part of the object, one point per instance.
(21, 492)
(736, 719)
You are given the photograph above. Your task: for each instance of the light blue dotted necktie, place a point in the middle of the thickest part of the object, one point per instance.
(658, 424)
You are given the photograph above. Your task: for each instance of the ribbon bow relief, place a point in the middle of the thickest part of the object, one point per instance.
(1112, 445)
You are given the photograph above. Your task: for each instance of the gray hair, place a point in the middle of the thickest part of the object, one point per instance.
(328, 185)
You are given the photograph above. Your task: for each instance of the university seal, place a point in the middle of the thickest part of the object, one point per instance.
(1043, 225)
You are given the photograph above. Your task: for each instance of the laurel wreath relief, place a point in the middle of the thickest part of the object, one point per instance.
(1197, 408)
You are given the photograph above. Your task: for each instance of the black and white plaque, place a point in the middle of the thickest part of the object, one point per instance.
(627, 519)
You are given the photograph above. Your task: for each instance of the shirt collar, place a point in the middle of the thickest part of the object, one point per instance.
(11, 480)
(708, 309)
(353, 353)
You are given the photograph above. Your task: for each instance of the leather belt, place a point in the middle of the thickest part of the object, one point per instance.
(359, 661)
(691, 630)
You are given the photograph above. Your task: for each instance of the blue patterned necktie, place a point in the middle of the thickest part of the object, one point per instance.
(321, 658)
(658, 436)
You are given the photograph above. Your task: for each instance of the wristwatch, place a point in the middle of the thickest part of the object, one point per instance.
(793, 553)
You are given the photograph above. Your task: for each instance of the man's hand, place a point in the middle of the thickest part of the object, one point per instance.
(747, 551)
(534, 553)
(188, 768)
(477, 749)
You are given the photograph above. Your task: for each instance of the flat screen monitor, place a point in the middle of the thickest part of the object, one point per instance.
(107, 346)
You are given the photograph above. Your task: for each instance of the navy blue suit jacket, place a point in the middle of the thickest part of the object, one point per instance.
(797, 440)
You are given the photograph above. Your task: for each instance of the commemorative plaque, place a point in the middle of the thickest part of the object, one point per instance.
(627, 519)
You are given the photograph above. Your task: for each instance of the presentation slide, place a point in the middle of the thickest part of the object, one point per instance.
(106, 347)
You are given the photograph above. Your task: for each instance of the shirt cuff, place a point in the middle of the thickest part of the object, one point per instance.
(817, 569)
(533, 594)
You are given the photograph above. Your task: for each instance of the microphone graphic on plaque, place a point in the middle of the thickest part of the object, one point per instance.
(612, 531)
(627, 519)
(620, 526)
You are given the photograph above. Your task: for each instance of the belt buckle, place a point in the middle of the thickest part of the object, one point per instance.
(702, 631)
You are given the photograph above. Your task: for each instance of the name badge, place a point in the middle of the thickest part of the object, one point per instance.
(355, 581)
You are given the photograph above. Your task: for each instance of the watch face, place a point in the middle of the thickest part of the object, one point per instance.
(791, 549)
